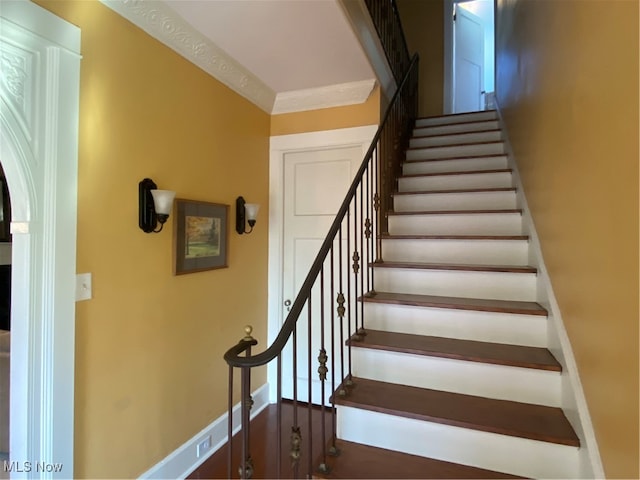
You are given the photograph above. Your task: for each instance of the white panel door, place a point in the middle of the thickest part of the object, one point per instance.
(468, 62)
(315, 184)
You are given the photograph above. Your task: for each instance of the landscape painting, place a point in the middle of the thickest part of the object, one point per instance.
(200, 236)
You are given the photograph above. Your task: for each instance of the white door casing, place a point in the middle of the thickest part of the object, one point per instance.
(468, 58)
(310, 152)
(39, 97)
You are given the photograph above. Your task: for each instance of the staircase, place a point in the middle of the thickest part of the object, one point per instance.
(453, 379)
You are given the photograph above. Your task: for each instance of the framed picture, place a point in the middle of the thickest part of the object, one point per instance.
(200, 236)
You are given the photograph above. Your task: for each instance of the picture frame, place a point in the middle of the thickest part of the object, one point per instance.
(201, 236)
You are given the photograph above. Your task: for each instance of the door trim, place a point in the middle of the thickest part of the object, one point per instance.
(279, 146)
(39, 153)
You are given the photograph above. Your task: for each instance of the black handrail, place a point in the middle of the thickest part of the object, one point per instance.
(232, 356)
(354, 236)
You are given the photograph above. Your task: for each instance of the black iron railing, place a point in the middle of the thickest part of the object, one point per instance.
(327, 311)
(386, 19)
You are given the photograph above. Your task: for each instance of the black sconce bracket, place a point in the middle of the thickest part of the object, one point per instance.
(240, 215)
(147, 219)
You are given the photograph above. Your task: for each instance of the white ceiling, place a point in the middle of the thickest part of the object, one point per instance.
(288, 44)
(282, 55)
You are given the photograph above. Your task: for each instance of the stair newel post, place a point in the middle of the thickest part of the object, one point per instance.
(230, 424)
(279, 416)
(309, 392)
(246, 466)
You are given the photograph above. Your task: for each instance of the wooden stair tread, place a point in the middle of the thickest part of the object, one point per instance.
(536, 422)
(457, 303)
(362, 461)
(491, 130)
(458, 157)
(459, 190)
(453, 348)
(458, 172)
(452, 237)
(458, 212)
(451, 115)
(457, 267)
(491, 142)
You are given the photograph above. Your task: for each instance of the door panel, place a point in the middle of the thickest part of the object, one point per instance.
(315, 183)
(468, 62)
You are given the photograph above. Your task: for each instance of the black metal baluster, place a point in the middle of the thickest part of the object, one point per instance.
(322, 372)
(364, 259)
(230, 424)
(296, 437)
(333, 450)
(309, 398)
(348, 382)
(341, 312)
(355, 267)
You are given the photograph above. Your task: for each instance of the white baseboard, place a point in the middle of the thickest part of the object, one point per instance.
(184, 460)
(574, 402)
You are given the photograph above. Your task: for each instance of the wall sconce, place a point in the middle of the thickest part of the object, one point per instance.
(154, 206)
(245, 213)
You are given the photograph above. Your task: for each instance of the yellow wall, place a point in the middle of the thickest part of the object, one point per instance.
(567, 83)
(423, 24)
(149, 345)
(367, 113)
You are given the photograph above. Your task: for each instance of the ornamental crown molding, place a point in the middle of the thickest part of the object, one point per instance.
(165, 25)
(161, 22)
(323, 97)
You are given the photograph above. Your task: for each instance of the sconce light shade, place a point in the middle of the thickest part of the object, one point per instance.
(245, 213)
(154, 206)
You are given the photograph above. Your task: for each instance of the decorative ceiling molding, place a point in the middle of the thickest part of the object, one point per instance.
(165, 25)
(323, 97)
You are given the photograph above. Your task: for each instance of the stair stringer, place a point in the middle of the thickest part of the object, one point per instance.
(574, 403)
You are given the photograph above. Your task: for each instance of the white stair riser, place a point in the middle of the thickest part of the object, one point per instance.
(456, 128)
(466, 284)
(508, 328)
(501, 382)
(451, 119)
(468, 252)
(518, 456)
(456, 224)
(456, 151)
(455, 201)
(459, 165)
(455, 182)
(455, 139)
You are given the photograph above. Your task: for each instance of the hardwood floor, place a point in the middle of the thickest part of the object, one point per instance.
(264, 446)
(355, 460)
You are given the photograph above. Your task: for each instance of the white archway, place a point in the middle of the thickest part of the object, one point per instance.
(39, 93)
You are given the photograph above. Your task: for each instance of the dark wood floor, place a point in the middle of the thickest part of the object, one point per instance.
(354, 461)
(264, 447)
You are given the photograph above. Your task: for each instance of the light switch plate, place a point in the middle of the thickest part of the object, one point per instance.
(83, 286)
